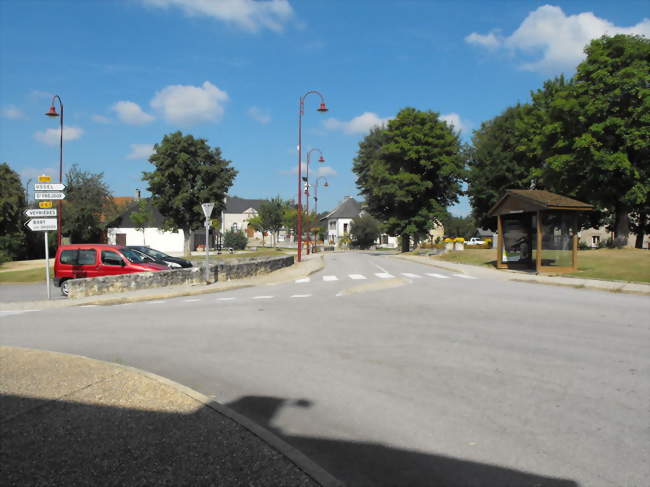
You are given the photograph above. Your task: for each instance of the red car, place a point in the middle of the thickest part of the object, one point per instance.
(94, 260)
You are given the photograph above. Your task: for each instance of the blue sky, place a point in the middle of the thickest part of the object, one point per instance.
(232, 71)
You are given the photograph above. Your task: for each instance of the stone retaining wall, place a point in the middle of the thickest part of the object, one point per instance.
(223, 271)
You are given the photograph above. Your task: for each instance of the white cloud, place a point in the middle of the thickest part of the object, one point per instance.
(358, 125)
(13, 113)
(260, 115)
(100, 119)
(189, 105)
(454, 120)
(250, 15)
(558, 38)
(326, 171)
(52, 136)
(131, 113)
(140, 151)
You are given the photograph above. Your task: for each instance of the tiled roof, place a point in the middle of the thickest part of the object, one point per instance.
(348, 208)
(535, 200)
(547, 198)
(235, 204)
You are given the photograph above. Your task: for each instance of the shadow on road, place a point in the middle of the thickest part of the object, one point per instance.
(373, 464)
(59, 442)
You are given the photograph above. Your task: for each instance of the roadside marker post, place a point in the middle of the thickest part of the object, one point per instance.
(207, 211)
(47, 267)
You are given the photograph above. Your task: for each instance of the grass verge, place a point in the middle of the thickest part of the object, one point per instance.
(25, 276)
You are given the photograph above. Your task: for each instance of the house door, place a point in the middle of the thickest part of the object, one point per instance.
(250, 231)
(120, 239)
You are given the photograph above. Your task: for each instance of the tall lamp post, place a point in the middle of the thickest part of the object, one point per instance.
(306, 179)
(301, 112)
(325, 184)
(52, 113)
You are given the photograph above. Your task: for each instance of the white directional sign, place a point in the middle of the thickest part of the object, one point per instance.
(49, 196)
(35, 213)
(42, 224)
(49, 187)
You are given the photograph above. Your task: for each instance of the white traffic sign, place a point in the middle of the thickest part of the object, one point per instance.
(49, 187)
(36, 213)
(49, 196)
(42, 224)
(207, 209)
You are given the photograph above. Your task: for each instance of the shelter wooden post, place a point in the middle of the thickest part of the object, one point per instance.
(500, 264)
(538, 254)
(574, 254)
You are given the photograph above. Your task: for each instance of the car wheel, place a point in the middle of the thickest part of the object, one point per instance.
(65, 287)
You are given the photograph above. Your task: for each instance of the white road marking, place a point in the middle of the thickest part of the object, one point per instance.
(154, 302)
(465, 276)
(330, 278)
(225, 299)
(380, 268)
(191, 300)
(301, 296)
(438, 276)
(412, 276)
(356, 276)
(383, 275)
(88, 306)
(16, 312)
(304, 279)
(263, 297)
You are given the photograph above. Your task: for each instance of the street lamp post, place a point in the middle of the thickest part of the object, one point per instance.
(320, 159)
(325, 184)
(52, 113)
(301, 112)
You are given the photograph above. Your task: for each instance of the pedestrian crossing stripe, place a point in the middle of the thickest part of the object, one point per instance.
(465, 276)
(384, 275)
(357, 276)
(438, 276)
(304, 279)
(412, 276)
(330, 278)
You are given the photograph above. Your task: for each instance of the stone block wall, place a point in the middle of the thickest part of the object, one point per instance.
(222, 271)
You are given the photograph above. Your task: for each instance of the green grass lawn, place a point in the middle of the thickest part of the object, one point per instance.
(609, 264)
(269, 252)
(25, 276)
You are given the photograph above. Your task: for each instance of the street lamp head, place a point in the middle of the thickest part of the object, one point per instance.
(321, 158)
(52, 112)
(322, 108)
(326, 185)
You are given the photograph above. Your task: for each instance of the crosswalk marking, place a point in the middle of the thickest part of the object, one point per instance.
(154, 302)
(412, 276)
(304, 279)
(262, 297)
(330, 278)
(191, 300)
(301, 296)
(225, 299)
(465, 276)
(357, 276)
(384, 275)
(438, 276)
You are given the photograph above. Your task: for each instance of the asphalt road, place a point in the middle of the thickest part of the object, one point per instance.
(389, 372)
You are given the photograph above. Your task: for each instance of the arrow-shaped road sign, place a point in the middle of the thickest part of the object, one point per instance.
(49, 187)
(42, 224)
(36, 213)
(49, 196)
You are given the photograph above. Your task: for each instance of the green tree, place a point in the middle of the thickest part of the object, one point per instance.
(257, 223)
(187, 173)
(410, 172)
(271, 214)
(595, 142)
(141, 216)
(364, 231)
(87, 201)
(458, 226)
(12, 205)
(235, 239)
(290, 219)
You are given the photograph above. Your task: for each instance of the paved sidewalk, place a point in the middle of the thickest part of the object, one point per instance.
(309, 265)
(71, 420)
(510, 275)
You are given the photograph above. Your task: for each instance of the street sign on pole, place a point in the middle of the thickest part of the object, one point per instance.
(42, 224)
(49, 187)
(36, 213)
(44, 179)
(45, 204)
(207, 209)
(49, 196)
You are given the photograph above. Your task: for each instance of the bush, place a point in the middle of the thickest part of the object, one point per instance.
(235, 239)
(479, 246)
(583, 246)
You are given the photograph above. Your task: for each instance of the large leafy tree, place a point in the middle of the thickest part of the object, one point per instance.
(12, 204)
(187, 172)
(88, 201)
(596, 138)
(271, 215)
(364, 231)
(409, 172)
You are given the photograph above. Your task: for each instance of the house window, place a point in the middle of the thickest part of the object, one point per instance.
(384, 239)
(595, 240)
(332, 224)
(234, 227)
(345, 228)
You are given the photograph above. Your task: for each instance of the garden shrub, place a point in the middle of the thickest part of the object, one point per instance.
(236, 240)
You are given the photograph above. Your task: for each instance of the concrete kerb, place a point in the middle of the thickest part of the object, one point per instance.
(309, 467)
(641, 289)
(303, 269)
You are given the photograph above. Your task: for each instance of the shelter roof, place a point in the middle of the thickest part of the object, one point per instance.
(528, 200)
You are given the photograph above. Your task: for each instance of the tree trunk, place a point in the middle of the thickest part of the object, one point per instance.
(621, 226)
(406, 243)
(186, 243)
(643, 218)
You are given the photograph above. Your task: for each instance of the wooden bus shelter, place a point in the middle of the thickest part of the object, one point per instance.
(537, 230)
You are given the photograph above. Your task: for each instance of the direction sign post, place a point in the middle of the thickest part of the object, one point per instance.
(49, 187)
(47, 267)
(49, 196)
(207, 211)
(42, 224)
(40, 213)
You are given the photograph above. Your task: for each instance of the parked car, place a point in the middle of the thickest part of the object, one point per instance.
(94, 260)
(475, 241)
(172, 262)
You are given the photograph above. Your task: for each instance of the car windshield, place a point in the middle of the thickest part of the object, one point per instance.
(135, 256)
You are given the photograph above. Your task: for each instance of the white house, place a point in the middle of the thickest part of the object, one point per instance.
(238, 213)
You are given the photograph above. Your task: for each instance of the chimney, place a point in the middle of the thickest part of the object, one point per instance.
(137, 193)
